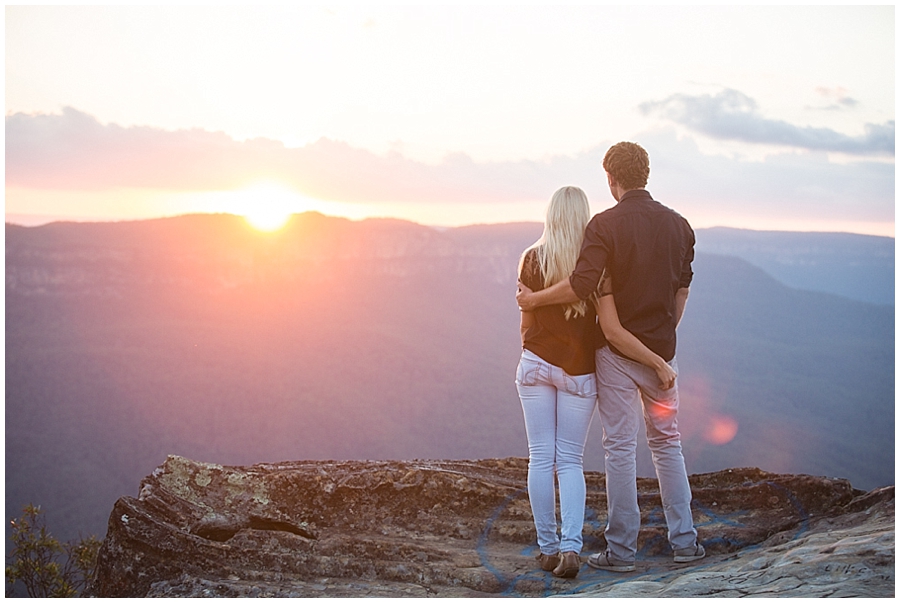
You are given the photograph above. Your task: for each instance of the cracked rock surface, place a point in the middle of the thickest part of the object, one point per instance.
(464, 528)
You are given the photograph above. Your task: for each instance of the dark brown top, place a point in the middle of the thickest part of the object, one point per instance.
(568, 344)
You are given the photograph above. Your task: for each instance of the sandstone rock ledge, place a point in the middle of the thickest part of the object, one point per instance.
(463, 528)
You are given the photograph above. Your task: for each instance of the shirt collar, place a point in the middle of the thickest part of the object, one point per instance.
(636, 194)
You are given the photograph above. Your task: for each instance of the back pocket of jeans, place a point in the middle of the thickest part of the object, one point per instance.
(528, 372)
(584, 386)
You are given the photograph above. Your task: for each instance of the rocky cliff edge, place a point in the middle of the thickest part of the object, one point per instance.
(464, 528)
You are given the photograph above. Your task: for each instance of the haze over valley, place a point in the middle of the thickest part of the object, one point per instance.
(384, 339)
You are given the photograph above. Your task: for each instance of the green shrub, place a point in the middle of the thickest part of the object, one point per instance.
(46, 567)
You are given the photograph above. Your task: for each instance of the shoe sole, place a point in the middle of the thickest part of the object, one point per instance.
(688, 559)
(613, 568)
(569, 573)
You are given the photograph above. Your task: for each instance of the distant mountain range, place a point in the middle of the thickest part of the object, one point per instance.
(383, 339)
(859, 267)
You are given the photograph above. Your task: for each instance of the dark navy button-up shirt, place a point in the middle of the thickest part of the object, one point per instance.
(647, 249)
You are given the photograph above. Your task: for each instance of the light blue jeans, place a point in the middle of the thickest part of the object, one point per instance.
(620, 383)
(558, 408)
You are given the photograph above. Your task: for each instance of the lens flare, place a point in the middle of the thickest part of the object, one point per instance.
(721, 430)
(661, 413)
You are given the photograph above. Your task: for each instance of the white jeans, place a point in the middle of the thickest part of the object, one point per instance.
(558, 408)
(620, 382)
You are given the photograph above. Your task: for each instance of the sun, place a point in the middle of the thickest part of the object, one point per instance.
(267, 219)
(268, 206)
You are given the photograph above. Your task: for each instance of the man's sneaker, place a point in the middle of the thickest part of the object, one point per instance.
(605, 562)
(548, 562)
(569, 565)
(691, 553)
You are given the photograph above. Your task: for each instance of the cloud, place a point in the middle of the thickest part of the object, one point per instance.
(839, 95)
(787, 186)
(732, 115)
(73, 151)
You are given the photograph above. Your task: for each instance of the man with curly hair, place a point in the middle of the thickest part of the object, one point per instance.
(646, 249)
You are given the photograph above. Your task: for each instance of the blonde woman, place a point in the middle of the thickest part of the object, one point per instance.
(556, 384)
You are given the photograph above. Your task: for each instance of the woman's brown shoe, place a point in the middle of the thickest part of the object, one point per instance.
(548, 562)
(568, 566)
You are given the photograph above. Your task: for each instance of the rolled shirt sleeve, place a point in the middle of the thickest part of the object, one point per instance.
(687, 273)
(591, 260)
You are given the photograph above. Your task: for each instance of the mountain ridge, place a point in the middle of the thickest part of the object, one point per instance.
(854, 266)
(210, 340)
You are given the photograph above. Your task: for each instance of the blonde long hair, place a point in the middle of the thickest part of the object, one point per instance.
(559, 245)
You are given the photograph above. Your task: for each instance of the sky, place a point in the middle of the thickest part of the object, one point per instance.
(770, 117)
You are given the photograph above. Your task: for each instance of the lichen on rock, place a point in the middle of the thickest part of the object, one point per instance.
(458, 528)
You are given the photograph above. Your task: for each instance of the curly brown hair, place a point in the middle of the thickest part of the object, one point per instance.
(629, 164)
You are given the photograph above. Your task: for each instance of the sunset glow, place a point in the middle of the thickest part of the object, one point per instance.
(267, 206)
(405, 112)
(277, 247)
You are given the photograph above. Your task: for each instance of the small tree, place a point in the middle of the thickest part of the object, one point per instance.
(42, 564)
